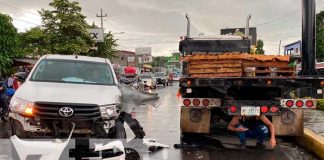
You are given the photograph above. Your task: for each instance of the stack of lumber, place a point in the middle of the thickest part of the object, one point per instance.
(238, 65)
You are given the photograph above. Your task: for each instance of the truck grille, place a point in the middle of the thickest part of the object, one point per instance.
(47, 110)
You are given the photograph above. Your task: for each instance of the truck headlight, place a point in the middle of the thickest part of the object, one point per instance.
(108, 111)
(22, 106)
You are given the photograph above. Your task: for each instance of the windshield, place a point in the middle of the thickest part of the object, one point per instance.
(145, 77)
(68, 71)
(159, 74)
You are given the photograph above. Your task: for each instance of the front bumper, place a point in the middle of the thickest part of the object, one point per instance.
(63, 126)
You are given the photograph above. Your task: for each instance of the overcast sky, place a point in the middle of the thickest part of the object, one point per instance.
(160, 23)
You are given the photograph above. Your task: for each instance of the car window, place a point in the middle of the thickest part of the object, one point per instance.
(68, 71)
(159, 74)
(145, 76)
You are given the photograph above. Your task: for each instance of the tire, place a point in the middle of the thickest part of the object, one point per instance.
(190, 138)
(120, 132)
(17, 129)
(4, 119)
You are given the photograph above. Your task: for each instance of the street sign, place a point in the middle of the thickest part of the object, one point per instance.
(143, 51)
(173, 59)
(145, 59)
(130, 59)
(96, 34)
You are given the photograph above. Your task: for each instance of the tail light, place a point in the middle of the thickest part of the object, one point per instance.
(206, 102)
(299, 103)
(233, 109)
(290, 103)
(196, 102)
(274, 109)
(309, 104)
(264, 109)
(186, 102)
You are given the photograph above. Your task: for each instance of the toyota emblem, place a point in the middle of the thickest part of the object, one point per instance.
(66, 111)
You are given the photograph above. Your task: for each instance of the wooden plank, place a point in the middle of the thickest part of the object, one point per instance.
(239, 74)
(215, 62)
(216, 70)
(261, 64)
(226, 65)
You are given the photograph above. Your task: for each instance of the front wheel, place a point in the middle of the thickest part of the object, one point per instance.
(17, 129)
(119, 130)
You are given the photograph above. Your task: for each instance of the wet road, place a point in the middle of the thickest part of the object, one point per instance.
(314, 120)
(161, 123)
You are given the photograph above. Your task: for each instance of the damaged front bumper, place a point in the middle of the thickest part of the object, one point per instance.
(56, 127)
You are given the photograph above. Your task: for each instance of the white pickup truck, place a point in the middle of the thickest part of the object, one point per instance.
(65, 89)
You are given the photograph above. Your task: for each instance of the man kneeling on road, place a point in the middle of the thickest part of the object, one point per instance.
(253, 127)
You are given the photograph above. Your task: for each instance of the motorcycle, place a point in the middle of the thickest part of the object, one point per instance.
(4, 108)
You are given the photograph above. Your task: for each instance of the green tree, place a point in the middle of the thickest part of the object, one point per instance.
(320, 36)
(34, 42)
(8, 43)
(159, 61)
(66, 27)
(259, 47)
(108, 48)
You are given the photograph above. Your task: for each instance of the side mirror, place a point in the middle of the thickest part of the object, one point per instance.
(20, 76)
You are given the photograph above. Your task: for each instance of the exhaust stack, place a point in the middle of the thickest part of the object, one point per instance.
(188, 26)
(247, 28)
(308, 38)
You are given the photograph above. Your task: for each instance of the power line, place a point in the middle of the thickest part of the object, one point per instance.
(284, 16)
(21, 20)
(191, 10)
(6, 4)
(279, 18)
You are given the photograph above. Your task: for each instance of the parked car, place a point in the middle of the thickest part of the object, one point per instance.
(161, 78)
(176, 77)
(147, 80)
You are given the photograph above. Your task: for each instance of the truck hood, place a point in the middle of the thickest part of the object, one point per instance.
(68, 93)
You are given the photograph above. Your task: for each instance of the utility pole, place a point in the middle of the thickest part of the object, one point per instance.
(279, 46)
(101, 17)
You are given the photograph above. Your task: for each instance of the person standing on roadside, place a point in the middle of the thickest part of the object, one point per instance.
(3, 94)
(10, 81)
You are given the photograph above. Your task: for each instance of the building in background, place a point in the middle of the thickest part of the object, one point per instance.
(125, 58)
(293, 49)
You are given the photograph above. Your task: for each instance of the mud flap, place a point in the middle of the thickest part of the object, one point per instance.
(195, 120)
(289, 123)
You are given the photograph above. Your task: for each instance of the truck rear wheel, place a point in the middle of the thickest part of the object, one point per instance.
(188, 138)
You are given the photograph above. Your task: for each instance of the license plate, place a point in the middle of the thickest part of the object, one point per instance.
(250, 111)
